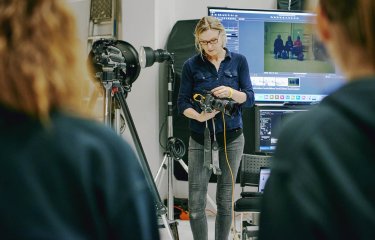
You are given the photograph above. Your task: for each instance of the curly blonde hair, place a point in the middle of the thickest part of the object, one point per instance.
(41, 68)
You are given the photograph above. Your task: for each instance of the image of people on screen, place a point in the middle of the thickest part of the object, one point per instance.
(288, 46)
(301, 52)
(278, 46)
(297, 49)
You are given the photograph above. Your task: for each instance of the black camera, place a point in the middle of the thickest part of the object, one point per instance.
(208, 102)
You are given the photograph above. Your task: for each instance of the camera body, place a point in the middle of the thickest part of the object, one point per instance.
(209, 102)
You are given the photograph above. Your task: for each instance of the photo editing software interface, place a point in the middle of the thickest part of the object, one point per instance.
(268, 121)
(287, 62)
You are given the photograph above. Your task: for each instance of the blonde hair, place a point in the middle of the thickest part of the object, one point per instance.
(207, 23)
(356, 20)
(41, 68)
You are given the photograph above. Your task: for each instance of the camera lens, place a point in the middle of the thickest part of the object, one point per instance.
(230, 108)
(225, 106)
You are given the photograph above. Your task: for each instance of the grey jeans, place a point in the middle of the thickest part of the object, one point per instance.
(199, 177)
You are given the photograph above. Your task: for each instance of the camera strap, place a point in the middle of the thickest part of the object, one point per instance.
(207, 148)
(215, 152)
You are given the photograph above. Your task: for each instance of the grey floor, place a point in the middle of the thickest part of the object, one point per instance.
(184, 231)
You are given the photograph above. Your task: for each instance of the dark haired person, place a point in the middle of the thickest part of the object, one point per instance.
(297, 49)
(288, 46)
(226, 75)
(322, 182)
(62, 176)
(278, 46)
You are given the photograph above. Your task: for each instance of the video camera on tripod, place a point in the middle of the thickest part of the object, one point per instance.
(208, 102)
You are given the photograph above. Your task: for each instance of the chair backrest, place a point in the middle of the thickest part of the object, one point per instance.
(250, 168)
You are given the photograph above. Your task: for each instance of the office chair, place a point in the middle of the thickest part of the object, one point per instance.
(250, 201)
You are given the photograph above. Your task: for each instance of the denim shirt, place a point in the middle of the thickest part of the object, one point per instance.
(200, 75)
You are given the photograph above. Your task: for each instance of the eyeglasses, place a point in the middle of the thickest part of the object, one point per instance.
(212, 42)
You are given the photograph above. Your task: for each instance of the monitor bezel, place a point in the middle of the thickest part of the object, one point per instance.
(257, 10)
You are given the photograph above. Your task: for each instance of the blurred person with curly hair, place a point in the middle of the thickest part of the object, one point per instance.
(63, 175)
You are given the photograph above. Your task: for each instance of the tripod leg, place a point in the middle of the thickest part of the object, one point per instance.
(172, 232)
(161, 209)
(162, 167)
(170, 189)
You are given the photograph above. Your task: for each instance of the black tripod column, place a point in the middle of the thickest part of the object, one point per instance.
(108, 76)
(170, 134)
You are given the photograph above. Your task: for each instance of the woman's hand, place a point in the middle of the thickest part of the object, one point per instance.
(228, 92)
(200, 117)
(204, 116)
(222, 92)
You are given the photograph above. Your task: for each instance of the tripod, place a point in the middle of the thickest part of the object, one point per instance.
(175, 148)
(115, 97)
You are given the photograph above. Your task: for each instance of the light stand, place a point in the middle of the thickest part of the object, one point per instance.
(147, 58)
(116, 66)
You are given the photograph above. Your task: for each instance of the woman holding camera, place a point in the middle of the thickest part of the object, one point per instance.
(226, 76)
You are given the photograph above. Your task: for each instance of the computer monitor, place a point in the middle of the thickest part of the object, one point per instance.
(268, 122)
(298, 70)
(264, 174)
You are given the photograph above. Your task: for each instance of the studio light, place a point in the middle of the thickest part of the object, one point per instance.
(118, 56)
(147, 56)
(115, 64)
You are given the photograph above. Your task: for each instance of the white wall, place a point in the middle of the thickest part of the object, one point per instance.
(148, 23)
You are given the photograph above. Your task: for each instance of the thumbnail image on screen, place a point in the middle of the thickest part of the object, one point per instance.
(287, 62)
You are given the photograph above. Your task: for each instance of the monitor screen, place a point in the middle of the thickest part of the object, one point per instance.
(287, 62)
(268, 121)
(264, 174)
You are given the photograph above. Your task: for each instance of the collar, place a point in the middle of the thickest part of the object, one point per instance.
(228, 54)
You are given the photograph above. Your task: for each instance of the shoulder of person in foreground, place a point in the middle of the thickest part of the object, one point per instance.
(314, 156)
(290, 185)
(116, 174)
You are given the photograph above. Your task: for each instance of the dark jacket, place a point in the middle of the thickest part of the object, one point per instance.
(200, 75)
(322, 179)
(75, 179)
